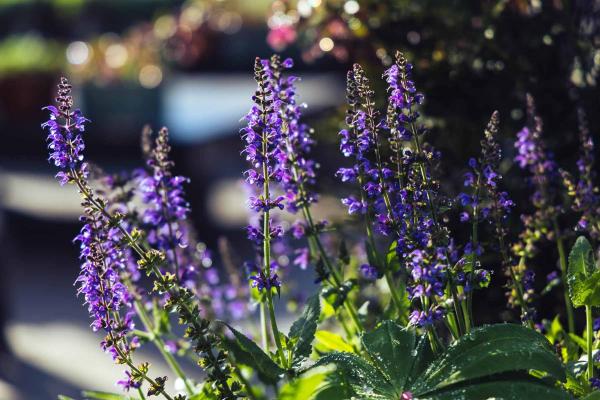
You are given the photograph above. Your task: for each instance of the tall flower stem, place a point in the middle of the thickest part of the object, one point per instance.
(563, 269)
(456, 303)
(589, 322)
(371, 238)
(126, 358)
(133, 244)
(518, 286)
(267, 247)
(158, 342)
(468, 313)
(130, 364)
(170, 228)
(264, 330)
(371, 117)
(313, 237)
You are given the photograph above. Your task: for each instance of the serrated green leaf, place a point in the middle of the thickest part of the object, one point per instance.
(246, 352)
(364, 379)
(304, 328)
(94, 395)
(573, 384)
(500, 390)
(583, 279)
(489, 350)
(390, 348)
(328, 341)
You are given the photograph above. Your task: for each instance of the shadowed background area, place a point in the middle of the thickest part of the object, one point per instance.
(188, 65)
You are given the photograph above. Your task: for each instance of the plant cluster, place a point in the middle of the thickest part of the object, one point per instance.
(393, 314)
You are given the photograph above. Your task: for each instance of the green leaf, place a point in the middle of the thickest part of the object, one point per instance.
(391, 258)
(575, 384)
(423, 358)
(93, 395)
(203, 395)
(489, 350)
(328, 341)
(333, 392)
(303, 330)
(583, 279)
(246, 352)
(63, 397)
(592, 396)
(366, 381)
(555, 331)
(391, 350)
(468, 262)
(579, 341)
(500, 390)
(161, 319)
(303, 388)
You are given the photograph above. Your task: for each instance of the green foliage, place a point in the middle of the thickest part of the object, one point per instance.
(246, 352)
(94, 395)
(390, 349)
(329, 341)
(298, 345)
(592, 396)
(491, 361)
(304, 388)
(583, 276)
(302, 331)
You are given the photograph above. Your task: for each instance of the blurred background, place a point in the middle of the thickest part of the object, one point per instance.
(188, 65)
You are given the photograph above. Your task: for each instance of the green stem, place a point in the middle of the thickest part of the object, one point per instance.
(520, 291)
(274, 328)
(315, 242)
(155, 270)
(371, 238)
(141, 393)
(335, 274)
(468, 313)
(160, 345)
(395, 296)
(563, 268)
(452, 326)
(267, 253)
(590, 339)
(457, 310)
(245, 382)
(264, 333)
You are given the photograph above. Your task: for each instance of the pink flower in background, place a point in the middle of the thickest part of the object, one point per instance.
(280, 37)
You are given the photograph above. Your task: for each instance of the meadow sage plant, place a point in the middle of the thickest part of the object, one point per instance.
(391, 313)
